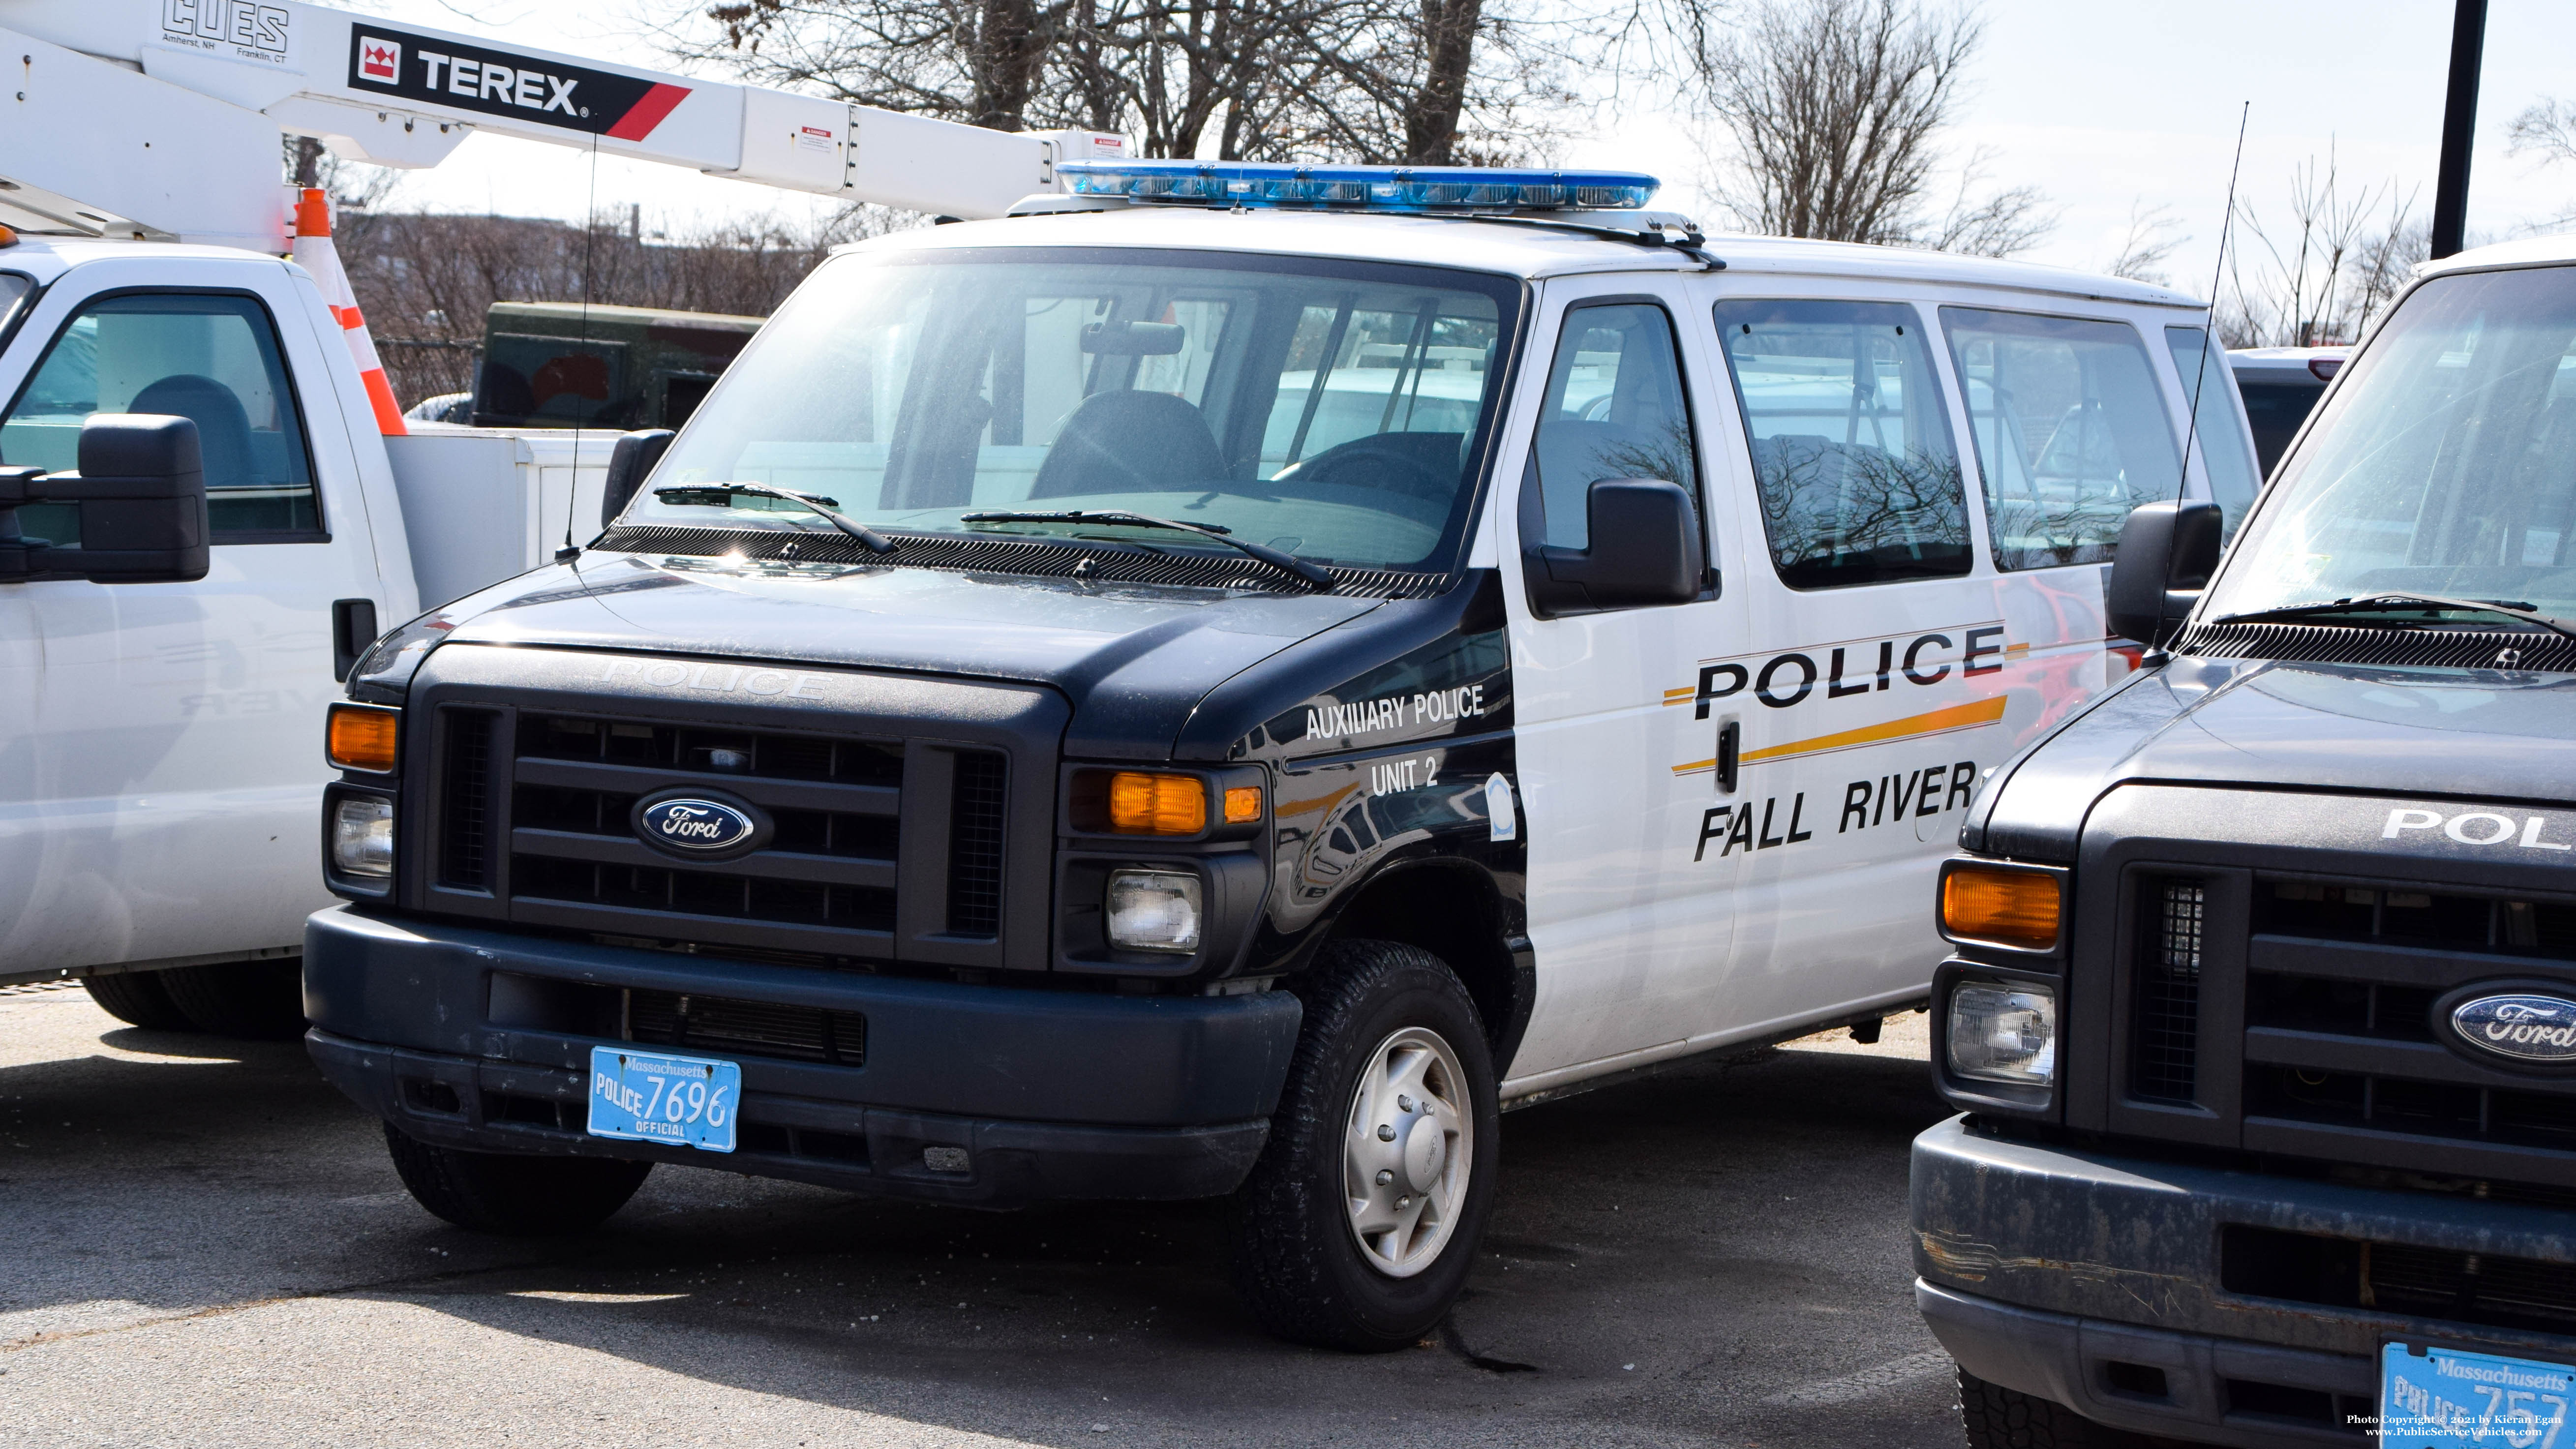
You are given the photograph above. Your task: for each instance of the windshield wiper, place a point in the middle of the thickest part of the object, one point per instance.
(2401, 598)
(1285, 562)
(721, 495)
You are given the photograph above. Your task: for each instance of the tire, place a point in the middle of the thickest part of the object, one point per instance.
(1996, 1417)
(512, 1195)
(139, 999)
(260, 1000)
(1386, 1014)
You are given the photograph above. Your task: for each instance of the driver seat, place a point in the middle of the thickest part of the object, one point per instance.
(1129, 442)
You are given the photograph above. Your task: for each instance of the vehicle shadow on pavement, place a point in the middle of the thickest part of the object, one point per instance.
(1711, 1256)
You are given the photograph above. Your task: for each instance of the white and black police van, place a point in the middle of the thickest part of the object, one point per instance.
(1225, 688)
(2263, 1009)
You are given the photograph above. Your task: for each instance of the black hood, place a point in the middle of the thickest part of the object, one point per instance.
(1133, 660)
(2470, 734)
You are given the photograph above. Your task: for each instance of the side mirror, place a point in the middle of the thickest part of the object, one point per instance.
(629, 464)
(2167, 553)
(1644, 549)
(141, 491)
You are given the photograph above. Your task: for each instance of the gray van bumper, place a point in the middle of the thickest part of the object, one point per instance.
(2041, 1267)
(481, 1039)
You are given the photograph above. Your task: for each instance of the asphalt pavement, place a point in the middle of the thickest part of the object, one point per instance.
(206, 1245)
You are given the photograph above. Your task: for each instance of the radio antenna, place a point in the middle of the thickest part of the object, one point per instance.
(589, 245)
(2209, 328)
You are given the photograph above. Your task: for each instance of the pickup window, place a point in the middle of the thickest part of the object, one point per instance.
(211, 358)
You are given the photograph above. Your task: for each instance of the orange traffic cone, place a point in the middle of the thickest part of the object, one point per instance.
(313, 252)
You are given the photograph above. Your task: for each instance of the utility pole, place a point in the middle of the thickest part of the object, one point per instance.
(2459, 122)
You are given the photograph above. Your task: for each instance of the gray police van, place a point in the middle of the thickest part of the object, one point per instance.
(2262, 1011)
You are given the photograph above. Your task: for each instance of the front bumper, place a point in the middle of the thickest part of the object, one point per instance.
(2041, 1268)
(481, 1039)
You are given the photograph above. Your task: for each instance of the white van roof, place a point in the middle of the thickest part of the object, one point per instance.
(2533, 251)
(1520, 251)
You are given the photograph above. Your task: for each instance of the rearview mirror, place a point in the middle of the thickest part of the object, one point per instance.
(2167, 553)
(629, 464)
(1642, 548)
(1134, 339)
(141, 491)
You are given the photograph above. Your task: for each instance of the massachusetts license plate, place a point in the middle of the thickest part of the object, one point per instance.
(650, 1097)
(2432, 1398)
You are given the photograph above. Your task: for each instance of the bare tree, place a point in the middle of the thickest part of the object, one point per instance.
(2150, 243)
(2322, 277)
(1837, 109)
(1421, 81)
(2546, 126)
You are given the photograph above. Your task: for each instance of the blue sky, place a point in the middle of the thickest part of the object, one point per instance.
(2104, 107)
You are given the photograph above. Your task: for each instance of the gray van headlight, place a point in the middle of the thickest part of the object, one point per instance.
(362, 837)
(2001, 1033)
(1153, 910)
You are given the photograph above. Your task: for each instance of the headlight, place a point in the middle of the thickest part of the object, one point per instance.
(1154, 910)
(362, 837)
(2002, 1033)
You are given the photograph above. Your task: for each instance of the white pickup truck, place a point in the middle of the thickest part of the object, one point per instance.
(159, 775)
(159, 770)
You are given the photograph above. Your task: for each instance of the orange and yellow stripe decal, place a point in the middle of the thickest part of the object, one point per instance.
(1975, 714)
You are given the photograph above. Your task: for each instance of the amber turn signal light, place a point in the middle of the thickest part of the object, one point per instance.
(1143, 804)
(361, 737)
(1242, 804)
(2008, 907)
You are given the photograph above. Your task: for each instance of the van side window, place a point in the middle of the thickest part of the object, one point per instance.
(2070, 429)
(2226, 447)
(213, 359)
(1613, 409)
(1852, 451)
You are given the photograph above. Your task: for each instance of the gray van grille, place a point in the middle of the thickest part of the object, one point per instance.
(2339, 1052)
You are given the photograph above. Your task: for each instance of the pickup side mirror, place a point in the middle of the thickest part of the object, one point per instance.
(629, 464)
(141, 491)
(1644, 549)
(2167, 553)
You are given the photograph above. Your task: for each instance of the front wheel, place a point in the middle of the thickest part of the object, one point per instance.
(1996, 1417)
(1359, 1224)
(512, 1194)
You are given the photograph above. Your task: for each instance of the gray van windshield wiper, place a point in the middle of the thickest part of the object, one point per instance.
(721, 495)
(1285, 562)
(2401, 599)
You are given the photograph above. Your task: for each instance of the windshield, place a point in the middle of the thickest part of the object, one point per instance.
(1331, 411)
(2444, 464)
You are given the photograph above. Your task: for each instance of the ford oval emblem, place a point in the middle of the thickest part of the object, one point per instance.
(2521, 1026)
(695, 825)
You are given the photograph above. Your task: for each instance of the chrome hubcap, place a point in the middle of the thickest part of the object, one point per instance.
(1407, 1153)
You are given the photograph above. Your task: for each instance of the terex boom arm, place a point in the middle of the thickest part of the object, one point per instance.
(160, 117)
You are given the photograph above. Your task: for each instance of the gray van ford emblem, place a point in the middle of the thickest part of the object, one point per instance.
(695, 825)
(2524, 1026)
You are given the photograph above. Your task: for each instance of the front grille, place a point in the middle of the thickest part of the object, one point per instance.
(2481, 1288)
(2168, 1032)
(465, 798)
(1095, 563)
(747, 1028)
(538, 817)
(2342, 1054)
(975, 846)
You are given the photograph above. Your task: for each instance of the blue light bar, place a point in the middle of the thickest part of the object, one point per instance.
(1372, 188)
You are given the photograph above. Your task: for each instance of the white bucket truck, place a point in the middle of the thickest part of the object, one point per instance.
(158, 709)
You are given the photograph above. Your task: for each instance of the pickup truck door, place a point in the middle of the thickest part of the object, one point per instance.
(160, 795)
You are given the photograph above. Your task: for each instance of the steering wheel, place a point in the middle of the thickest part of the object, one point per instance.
(1359, 464)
